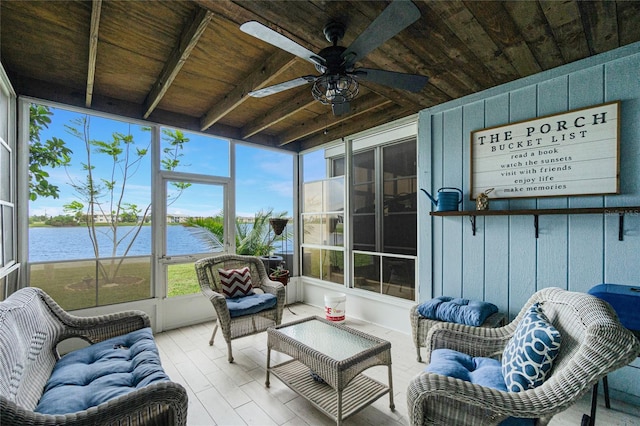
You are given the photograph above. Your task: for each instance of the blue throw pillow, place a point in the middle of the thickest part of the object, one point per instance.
(529, 354)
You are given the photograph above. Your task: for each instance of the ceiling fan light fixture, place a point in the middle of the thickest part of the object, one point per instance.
(335, 89)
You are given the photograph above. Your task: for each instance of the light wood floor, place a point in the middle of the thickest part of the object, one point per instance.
(234, 394)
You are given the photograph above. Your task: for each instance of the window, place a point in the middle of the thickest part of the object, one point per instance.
(383, 207)
(187, 152)
(90, 211)
(264, 189)
(363, 200)
(104, 218)
(322, 222)
(399, 195)
(384, 211)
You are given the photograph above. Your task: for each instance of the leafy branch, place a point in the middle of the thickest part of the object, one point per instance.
(51, 153)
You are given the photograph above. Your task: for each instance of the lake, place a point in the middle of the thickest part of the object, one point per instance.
(67, 243)
(73, 243)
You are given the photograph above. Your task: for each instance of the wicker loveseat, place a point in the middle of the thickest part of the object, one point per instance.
(594, 343)
(120, 366)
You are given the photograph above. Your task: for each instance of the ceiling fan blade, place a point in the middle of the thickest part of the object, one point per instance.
(411, 82)
(276, 39)
(341, 108)
(395, 18)
(277, 88)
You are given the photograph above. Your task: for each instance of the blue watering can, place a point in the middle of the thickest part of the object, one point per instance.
(447, 201)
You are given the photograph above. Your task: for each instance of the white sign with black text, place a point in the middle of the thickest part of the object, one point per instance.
(572, 153)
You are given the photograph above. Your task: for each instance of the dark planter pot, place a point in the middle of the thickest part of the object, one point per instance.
(284, 279)
(278, 224)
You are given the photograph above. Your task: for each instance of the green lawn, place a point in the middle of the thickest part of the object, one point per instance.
(182, 280)
(73, 284)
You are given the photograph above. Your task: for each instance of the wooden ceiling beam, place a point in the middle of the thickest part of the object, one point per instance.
(320, 123)
(69, 96)
(298, 102)
(375, 118)
(275, 65)
(188, 40)
(96, 7)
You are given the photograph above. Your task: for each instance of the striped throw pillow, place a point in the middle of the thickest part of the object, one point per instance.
(235, 282)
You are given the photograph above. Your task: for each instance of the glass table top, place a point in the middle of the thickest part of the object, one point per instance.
(334, 342)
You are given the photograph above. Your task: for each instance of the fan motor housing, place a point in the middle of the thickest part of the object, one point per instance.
(334, 31)
(333, 57)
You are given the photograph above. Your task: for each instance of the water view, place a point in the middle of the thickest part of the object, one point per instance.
(67, 243)
(73, 243)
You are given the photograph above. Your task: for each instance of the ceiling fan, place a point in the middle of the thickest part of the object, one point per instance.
(338, 83)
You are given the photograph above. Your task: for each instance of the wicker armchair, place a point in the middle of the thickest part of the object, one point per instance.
(593, 344)
(232, 328)
(31, 326)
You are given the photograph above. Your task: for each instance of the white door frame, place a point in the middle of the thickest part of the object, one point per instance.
(189, 309)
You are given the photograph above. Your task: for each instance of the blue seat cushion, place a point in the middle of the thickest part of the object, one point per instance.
(90, 376)
(458, 310)
(477, 370)
(247, 305)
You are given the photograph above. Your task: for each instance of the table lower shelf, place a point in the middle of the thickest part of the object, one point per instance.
(361, 392)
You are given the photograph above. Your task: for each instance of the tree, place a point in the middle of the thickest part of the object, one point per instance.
(52, 153)
(257, 240)
(102, 194)
(251, 239)
(61, 220)
(171, 160)
(128, 217)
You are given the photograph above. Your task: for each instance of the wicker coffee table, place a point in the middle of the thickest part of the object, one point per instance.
(327, 363)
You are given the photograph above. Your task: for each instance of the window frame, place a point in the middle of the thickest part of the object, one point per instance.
(8, 132)
(343, 153)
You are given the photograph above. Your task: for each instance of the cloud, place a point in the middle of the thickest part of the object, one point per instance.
(49, 210)
(282, 189)
(277, 165)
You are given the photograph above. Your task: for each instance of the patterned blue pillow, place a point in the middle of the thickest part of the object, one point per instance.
(528, 356)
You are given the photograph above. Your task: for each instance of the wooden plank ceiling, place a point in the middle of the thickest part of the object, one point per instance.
(187, 64)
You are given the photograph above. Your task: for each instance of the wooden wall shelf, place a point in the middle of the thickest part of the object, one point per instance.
(619, 211)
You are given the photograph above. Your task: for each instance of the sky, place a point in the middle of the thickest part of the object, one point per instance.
(264, 177)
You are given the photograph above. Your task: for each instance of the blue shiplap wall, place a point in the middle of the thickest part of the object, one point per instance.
(504, 263)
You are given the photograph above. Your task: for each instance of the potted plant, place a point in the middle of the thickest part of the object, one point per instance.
(280, 273)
